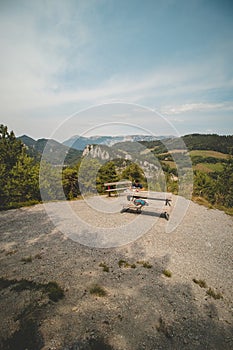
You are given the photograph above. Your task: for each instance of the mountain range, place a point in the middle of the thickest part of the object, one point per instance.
(80, 142)
(57, 151)
(72, 149)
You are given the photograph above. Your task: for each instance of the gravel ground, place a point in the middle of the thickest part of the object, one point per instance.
(143, 308)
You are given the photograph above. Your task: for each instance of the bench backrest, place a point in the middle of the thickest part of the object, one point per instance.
(126, 183)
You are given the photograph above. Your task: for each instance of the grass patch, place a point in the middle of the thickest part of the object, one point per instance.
(96, 289)
(16, 205)
(209, 167)
(206, 153)
(201, 283)
(54, 291)
(167, 273)
(27, 259)
(104, 266)
(170, 163)
(228, 211)
(145, 264)
(202, 201)
(213, 294)
(123, 263)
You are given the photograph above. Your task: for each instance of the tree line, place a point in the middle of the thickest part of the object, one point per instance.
(214, 142)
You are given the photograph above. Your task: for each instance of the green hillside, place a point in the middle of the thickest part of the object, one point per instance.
(207, 142)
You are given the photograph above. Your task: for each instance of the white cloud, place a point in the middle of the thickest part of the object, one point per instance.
(34, 60)
(37, 50)
(196, 107)
(34, 54)
(49, 42)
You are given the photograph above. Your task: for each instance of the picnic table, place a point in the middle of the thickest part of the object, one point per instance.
(117, 186)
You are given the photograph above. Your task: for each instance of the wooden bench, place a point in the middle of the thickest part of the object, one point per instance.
(157, 196)
(117, 186)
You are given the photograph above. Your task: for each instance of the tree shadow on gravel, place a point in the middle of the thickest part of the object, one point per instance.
(158, 315)
(21, 220)
(20, 228)
(92, 344)
(182, 325)
(27, 335)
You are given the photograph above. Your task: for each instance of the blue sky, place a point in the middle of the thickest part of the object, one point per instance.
(60, 57)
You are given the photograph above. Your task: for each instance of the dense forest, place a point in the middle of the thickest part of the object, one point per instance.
(212, 142)
(25, 178)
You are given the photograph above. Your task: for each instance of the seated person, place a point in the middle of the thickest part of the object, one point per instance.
(140, 202)
(137, 185)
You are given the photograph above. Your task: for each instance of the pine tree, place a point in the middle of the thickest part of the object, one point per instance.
(70, 182)
(10, 148)
(107, 173)
(134, 172)
(23, 185)
(18, 172)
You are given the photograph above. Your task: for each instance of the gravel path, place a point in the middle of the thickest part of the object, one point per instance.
(142, 308)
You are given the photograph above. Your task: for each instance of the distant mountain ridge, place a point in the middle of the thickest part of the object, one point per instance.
(80, 142)
(73, 149)
(57, 151)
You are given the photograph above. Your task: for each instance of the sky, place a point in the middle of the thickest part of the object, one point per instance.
(70, 66)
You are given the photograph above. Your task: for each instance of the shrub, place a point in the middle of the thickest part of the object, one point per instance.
(213, 294)
(105, 267)
(98, 290)
(167, 273)
(126, 264)
(121, 263)
(54, 291)
(145, 264)
(201, 283)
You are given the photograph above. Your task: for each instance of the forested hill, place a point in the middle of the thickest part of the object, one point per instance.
(35, 149)
(213, 142)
